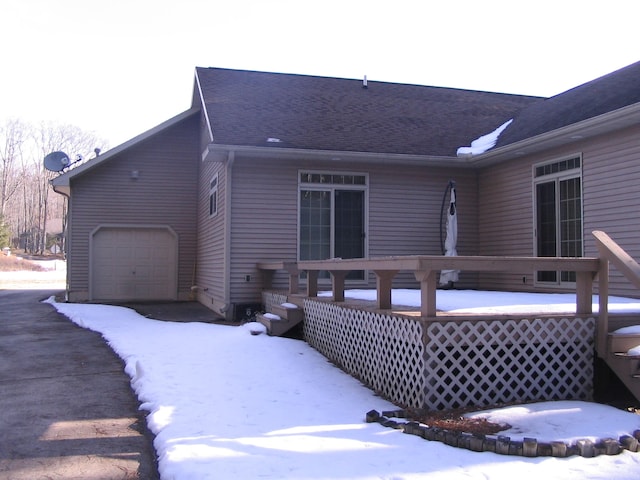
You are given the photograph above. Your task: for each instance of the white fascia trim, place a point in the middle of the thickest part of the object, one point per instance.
(63, 179)
(219, 153)
(607, 122)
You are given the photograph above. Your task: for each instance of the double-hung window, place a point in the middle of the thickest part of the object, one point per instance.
(558, 215)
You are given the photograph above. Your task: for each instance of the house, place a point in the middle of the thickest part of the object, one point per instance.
(280, 167)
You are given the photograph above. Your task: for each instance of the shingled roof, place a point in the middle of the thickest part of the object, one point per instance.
(605, 94)
(248, 108)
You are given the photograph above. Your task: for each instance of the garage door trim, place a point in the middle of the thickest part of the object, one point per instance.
(172, 286)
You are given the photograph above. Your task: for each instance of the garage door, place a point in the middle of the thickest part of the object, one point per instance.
(133, 264)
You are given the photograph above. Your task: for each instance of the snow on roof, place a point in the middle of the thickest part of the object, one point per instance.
(484, 143)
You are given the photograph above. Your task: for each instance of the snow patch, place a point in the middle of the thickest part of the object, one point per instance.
(483, 143)
(255, 328)
(630, 330)
(635, 351)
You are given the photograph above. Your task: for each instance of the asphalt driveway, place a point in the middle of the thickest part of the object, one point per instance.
(66, 407)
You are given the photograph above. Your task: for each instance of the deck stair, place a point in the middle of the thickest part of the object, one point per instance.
(625, 365)
(281, 318)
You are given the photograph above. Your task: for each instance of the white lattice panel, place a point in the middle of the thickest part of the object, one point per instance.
(486, 362)
(384, 352)
(455, 363)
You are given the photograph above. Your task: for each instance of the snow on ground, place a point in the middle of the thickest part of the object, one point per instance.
(53, 277)
(225, 403)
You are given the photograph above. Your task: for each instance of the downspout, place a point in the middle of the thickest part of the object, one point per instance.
(66, 240)
(228, 313)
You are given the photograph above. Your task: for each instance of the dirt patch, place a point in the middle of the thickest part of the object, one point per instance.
(454, 420)
(12, 263)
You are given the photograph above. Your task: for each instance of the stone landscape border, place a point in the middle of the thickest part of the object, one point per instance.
(503, 445)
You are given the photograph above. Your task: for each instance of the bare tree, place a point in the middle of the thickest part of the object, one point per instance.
(13, 135)
(23, 171)
(76, 143)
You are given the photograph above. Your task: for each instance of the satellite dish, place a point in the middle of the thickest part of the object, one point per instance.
(56, 161)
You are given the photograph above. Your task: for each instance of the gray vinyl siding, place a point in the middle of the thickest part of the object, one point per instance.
(403, 215)
(611, 189)
(210, 269)
(610, 178)
(205, 138)
(505, 219)
(264, 207)
(163, 194)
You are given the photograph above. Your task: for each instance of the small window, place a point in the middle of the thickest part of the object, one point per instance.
(213, 196)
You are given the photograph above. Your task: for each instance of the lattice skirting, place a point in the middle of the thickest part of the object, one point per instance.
(485, 362)
(450, 364)
(384, 352)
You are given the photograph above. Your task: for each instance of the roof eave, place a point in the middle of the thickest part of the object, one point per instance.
(63, 179)
(220, 153)
(591, 127)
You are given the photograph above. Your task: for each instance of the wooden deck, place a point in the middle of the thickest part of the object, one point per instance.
(432, 348)
(426, 268)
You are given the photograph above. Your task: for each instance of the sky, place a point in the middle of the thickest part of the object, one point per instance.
(121, 67)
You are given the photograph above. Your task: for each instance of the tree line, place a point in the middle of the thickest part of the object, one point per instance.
(32, 216)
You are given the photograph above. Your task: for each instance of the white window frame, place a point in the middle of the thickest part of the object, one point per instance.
(329, 186)
(557, 177)
(213, 196)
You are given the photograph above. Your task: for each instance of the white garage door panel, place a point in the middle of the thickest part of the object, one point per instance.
(134, 264)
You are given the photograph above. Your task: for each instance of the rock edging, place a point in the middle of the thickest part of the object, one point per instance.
(503, 445)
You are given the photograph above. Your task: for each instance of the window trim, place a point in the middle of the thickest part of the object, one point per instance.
(557, 177)
(213, 196)
(332, 187)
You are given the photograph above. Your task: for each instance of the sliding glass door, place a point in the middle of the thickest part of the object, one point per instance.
(332, 218)
(558, 202)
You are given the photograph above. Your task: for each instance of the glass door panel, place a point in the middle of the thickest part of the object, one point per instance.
(546, 226)
(332, 225)
(349, 227)
(559, 224)
(315, 225)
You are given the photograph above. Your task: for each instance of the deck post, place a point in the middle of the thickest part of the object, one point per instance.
(584, 292)
(312, 283)
(294, 275)
(337, 283)
(384, 282)
(427, 279)
(603, 308)
(267, 279)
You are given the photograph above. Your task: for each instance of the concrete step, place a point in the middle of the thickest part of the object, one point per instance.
(627, 364)
(276, 325)
(281, 319)
(621, 342)
(288, 311)
(627, 368)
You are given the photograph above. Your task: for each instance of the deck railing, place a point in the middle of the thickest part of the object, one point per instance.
(426, 269)
(445, 361)
(610, 252)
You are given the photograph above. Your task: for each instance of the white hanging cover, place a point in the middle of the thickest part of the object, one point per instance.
(451, 240)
